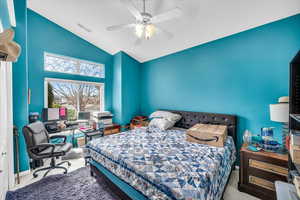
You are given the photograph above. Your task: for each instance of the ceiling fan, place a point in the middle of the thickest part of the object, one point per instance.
(145, 23)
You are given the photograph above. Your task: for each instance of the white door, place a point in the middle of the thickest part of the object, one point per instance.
(6, 131)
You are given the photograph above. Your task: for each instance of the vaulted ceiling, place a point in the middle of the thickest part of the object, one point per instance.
(202, 21)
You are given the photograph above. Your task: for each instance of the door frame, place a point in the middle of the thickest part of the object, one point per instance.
(7, 111)
(10, 138)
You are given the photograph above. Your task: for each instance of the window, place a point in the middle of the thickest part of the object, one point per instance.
(63, 64)
(74, 95)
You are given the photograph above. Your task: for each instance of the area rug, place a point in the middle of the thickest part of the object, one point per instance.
(77, 185)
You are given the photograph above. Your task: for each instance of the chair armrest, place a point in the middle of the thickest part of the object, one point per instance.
(45, 145)
(59, 136)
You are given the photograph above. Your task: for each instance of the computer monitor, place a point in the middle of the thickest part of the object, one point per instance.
(50, 114)
(82, 115)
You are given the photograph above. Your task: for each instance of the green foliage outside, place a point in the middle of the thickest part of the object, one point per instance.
(71, 114)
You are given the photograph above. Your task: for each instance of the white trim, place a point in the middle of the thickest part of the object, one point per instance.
(1, 26)
(10, 148)
(46, 93)
(11, 12)
(24, 173)
(75, 60)
(101, 85)
(7, 125)
(74, 81)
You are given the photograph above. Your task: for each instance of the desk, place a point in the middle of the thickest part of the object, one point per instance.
(89, 134)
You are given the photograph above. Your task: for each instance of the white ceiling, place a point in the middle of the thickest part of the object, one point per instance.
(202, 21)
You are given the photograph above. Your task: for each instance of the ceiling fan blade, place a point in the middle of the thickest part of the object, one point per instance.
(138, 42)
(166, 33)
(132, 9)
(119, 27)
(171, 14)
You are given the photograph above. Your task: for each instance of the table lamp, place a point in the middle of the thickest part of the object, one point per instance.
(280, 113)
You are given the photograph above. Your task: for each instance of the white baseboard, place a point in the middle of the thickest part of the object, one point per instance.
(24, 173)
(237, 167)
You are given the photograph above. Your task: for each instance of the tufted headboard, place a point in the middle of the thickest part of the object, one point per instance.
(191, 118)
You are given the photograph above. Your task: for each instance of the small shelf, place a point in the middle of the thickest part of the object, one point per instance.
(295, 117)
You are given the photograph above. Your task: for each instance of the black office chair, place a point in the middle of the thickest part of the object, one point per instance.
(39, 146)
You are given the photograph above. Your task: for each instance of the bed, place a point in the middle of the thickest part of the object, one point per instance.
(152, 164)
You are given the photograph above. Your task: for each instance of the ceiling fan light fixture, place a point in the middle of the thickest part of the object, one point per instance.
(144, 26)
(139, 30)
(149, 31)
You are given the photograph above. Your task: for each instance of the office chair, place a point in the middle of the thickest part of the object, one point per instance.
(39, 147)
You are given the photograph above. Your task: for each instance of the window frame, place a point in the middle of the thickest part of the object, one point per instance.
(46, 80)
(75, 60)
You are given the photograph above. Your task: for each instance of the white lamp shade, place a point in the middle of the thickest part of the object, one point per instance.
(279, 112)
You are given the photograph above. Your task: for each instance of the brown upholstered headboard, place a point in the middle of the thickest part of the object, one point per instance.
(191, 118)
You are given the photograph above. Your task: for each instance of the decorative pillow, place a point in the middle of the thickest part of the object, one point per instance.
(161, 123)
(165, 115)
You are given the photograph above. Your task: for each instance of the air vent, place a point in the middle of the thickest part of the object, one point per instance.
(84, 28)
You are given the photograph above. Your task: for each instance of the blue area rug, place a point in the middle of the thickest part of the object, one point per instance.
(77, 185)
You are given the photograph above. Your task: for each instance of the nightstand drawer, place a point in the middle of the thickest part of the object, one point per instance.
(262, 183)
(268, 167)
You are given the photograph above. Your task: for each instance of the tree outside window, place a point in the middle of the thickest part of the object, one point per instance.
(75, 96)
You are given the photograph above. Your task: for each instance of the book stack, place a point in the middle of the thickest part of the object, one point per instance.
(295, 148)
(104, 118)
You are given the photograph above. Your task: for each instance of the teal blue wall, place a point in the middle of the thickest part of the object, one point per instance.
(46, 36)
(126, 87)
(20, 80)
(4, 14)
(131, 87)
(241, 74)
(117, 88)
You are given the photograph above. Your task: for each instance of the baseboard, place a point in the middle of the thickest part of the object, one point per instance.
(24, 173)
(237, 167)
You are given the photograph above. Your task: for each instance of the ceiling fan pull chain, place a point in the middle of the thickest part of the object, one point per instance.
(144, 6)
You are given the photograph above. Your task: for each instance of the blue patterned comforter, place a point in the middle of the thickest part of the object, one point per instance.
(162, 165)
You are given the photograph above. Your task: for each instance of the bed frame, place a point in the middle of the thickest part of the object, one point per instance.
(187, 121)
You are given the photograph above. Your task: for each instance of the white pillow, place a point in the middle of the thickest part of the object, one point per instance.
(166, 115)
(161, 123)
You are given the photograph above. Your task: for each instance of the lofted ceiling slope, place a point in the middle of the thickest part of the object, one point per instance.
(202, 21)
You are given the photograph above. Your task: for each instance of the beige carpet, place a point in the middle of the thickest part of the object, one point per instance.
(231, 192)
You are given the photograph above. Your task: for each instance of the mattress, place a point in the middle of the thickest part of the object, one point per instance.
(163, 165)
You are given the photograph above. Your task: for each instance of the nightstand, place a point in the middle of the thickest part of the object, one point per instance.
(259, 171)
(115, 128)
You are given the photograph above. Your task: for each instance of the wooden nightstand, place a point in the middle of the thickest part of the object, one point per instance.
(115, 128)
(259, 171)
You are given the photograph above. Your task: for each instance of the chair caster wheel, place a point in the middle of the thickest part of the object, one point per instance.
(65, 172)
(69, 164)
(35, 175)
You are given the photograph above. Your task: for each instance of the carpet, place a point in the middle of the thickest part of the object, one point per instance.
(77, 185)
